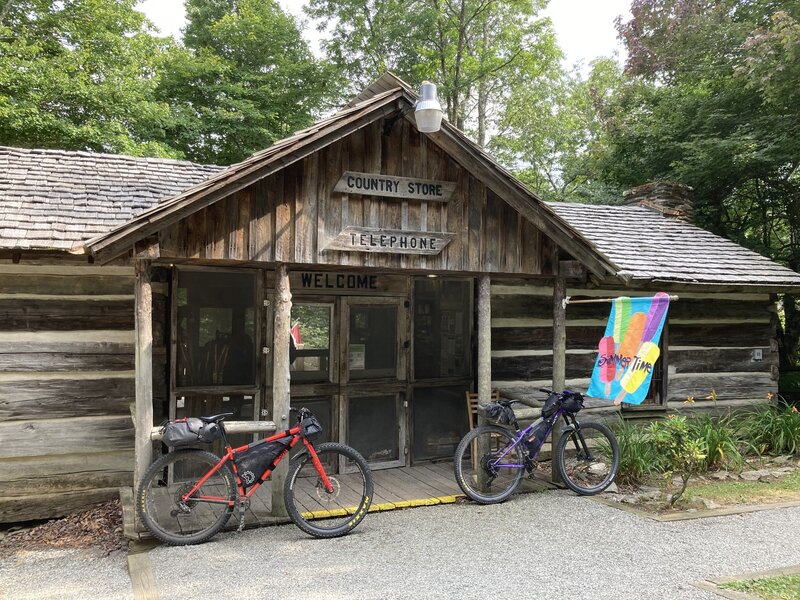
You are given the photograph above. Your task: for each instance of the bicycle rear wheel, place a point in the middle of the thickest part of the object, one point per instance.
(321, 513)
(487, 469)
(588, 458)
(158, 499)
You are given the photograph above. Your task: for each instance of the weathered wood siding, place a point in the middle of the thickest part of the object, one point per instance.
(711, 339)
(294, 215)
(66, 384)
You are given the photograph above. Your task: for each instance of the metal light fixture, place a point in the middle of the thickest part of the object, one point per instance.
(428, 111)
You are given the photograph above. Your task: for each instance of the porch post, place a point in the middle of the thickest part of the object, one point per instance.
(281, 378)
(559, 357)
(143, 412)
(484, 339)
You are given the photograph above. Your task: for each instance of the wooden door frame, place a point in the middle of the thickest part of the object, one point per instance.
(397, 385)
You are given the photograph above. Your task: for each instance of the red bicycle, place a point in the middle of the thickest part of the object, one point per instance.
(188, 495)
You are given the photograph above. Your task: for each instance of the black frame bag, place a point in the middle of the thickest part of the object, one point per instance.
(252, 463)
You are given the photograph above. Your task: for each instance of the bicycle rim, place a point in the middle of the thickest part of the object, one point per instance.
(487, 469)
(324, 513)
(591, 472)
(173, 520)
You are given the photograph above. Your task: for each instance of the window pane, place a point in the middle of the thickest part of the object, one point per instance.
(216, 329)
(372, 427)
(373, 341)
(441, 328)
(311, 338)
(440, 421)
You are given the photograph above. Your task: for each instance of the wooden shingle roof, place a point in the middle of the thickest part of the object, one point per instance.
(51, 199)
(648, 246)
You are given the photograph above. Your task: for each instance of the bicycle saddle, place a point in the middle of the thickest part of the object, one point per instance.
(216, 418)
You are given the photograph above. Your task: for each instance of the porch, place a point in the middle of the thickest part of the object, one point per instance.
(403, 487)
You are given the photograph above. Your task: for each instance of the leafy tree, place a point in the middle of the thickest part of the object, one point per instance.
(552, 129)
(244, 79)
(473, 49)
(79, 75)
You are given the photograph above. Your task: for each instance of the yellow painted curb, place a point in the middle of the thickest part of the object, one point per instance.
(384, 506)
(381, 507)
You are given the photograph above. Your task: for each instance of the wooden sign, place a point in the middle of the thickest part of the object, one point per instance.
(351, 283)
(390, 241)
(388, 186)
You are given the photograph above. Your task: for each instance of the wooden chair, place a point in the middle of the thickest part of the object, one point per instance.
(472, 406)
(472, 415)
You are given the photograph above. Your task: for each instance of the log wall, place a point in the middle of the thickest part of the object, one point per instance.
(66, 385)
(711, 339)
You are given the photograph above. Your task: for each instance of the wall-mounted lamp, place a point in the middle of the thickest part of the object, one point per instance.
(428, 111)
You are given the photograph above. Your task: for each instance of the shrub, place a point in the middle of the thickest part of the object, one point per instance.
(773, 430)
(638, 457)
(721, 438)
(683, 454)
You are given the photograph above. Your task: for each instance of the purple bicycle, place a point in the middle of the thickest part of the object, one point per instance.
(491, 459)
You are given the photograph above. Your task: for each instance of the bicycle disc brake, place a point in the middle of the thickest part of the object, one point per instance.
(324, 494)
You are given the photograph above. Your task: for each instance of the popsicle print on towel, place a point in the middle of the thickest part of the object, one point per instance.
(629, 349)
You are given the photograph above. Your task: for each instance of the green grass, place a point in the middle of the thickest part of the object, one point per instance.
(785, 489)
(786, 587)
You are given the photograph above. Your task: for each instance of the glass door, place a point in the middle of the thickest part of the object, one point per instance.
(373, 378)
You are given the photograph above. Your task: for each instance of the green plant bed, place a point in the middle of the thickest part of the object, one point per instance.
(769, 588)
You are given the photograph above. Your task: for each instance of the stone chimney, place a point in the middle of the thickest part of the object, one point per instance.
(668, 198)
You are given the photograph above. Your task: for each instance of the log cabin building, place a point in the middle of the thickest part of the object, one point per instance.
(361, 268)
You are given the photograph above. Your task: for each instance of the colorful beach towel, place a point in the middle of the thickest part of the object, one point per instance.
(629, 349)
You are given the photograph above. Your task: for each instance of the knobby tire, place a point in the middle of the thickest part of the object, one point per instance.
(471, 475)
(592, 475)
(318, 512)
(157, 497)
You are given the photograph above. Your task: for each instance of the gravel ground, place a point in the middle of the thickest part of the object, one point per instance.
(554, 544)
(56, 574)
(551, 544)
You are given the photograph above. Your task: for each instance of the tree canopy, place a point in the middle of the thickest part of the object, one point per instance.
(243, 79)
(80, 75)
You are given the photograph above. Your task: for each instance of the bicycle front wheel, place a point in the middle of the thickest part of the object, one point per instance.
(181, 522)
(323, 513)
(588, 457)
(488, 467)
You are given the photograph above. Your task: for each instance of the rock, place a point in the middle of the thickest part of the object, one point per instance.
(754, 475)
(778, 460)
(709, 504)
(653, 495)
(719, 475)
(648, 488)
(612, 489)
(630, 499)
(597, 468)
(782, 471)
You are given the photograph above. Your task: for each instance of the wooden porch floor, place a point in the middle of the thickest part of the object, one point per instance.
(421, 485)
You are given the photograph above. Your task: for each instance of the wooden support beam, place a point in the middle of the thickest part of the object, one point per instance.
(559, 354)
(484, 359)
(143, 410)
(484, 339)
(232, 427)
(281, 378)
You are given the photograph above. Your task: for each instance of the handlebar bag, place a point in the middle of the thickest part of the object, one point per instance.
(550, 405)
